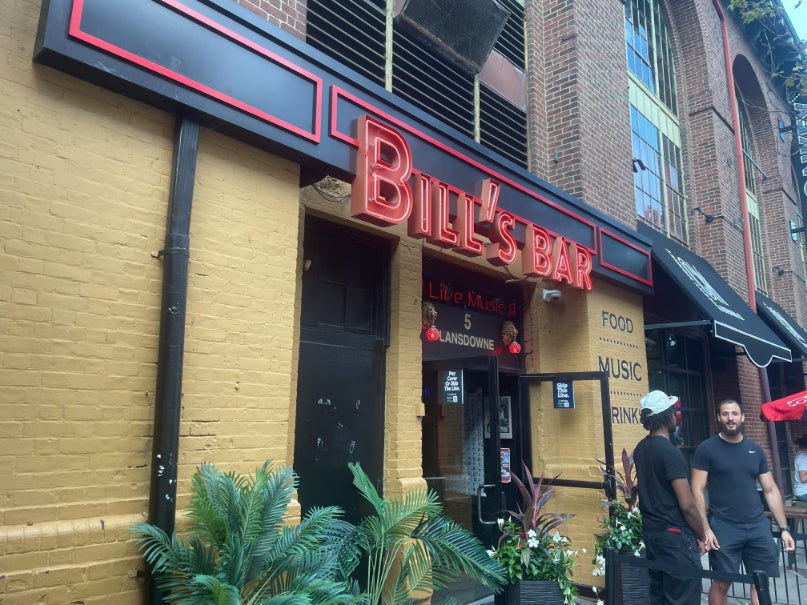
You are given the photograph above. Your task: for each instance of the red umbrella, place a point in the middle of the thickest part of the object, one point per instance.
(792, 407)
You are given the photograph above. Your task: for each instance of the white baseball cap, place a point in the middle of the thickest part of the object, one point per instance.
(657, 401)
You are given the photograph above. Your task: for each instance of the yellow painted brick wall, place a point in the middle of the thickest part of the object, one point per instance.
(576, 334)
(84, 180)
(83, 190)
(237, 382)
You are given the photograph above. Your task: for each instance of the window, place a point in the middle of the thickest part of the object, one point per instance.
(359, 33)
(675, 363)
(656, 132)
(754, 222)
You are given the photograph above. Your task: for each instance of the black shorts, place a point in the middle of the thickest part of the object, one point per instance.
(752, 544)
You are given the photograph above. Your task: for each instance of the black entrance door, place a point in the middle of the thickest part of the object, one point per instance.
(340, 392)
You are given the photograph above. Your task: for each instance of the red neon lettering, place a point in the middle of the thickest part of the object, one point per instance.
(490, 200)
(536, 260)
(468, 244)
(420, 222)
(561, 267)
(582, 266)
(381, 194)
(443, 235)
(503, 249)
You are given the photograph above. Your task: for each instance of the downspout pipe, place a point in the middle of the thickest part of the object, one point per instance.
(749, 262)
(165, 449)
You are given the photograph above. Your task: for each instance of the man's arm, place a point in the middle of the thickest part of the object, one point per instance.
(774, 499)
(686, 502)
(699, 479)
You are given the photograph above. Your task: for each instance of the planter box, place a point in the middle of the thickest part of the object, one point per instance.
(634, 585)
(532, 592)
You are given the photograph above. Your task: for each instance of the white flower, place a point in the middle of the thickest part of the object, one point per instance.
(600, 602)
(491, 552)
(533, 542)
(531, 533)
(500, 521)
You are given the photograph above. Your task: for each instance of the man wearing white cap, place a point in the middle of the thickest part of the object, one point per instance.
(737, 529)
(670, 520)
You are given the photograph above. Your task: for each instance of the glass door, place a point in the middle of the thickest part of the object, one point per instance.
(461, 449)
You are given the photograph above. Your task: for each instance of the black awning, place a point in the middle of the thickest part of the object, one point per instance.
(731, 318)
(783, 324)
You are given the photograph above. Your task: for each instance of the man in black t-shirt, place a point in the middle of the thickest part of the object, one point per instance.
(670, 520)
(737, 529)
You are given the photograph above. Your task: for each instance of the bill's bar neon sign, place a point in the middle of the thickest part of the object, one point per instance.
(389, 191)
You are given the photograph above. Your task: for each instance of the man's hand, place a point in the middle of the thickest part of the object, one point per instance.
(787, 539)
(711, 540)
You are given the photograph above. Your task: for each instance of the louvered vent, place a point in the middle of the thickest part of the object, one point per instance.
(503, 126)
(352, 31)
(511, 41)
(432, 83)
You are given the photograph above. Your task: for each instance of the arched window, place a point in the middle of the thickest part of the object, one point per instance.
(754, 222)
(656, 132)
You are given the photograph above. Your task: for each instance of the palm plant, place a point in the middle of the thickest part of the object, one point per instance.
(408, 546)
(239, 550)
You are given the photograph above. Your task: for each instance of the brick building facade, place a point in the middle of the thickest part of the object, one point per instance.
(89, 174)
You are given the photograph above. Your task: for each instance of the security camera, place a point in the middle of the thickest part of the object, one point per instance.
(550, 295)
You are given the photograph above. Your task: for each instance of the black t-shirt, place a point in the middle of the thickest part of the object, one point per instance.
(658, 462)
(733, 470)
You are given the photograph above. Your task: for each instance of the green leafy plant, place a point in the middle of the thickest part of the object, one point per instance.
(408, 546)
(240, 552)
(531, 547)
(783, 57)
(621, 529)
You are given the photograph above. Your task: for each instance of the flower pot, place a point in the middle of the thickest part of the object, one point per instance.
(531, 592)
(634, 585)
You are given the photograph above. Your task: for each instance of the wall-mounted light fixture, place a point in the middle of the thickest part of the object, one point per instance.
(710, 218)
(509, 335)
(638, 165)
(781, 270)
(549, 296)
(783, 129)
(428, 314)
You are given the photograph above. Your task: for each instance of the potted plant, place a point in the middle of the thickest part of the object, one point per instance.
(239, 548)
(408, 548)
(536, 556)
(621, 529)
